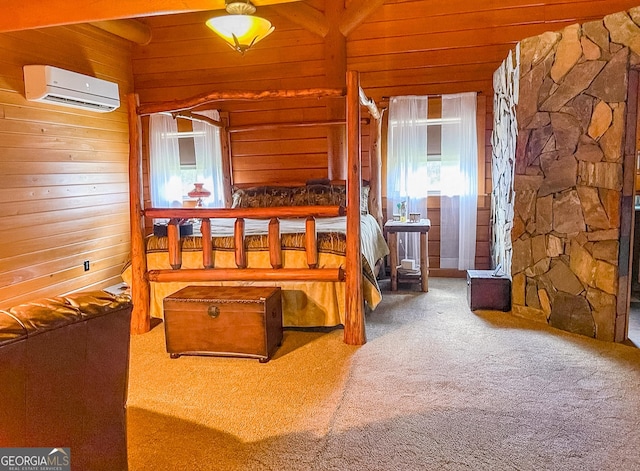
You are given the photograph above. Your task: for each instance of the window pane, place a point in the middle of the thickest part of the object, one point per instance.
(188, 176)
(187, 151)
(434, 133)
(433, 176)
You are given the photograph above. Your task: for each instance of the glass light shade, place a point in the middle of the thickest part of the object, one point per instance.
(240, 31)
(199, 192)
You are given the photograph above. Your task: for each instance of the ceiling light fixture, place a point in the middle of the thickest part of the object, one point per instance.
(239, 28)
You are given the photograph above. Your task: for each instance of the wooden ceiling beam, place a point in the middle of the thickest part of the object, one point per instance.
(306, 16)
(132, 30)
(356, 13)
(16, 16)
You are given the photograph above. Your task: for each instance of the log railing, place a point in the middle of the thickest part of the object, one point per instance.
(210, 273)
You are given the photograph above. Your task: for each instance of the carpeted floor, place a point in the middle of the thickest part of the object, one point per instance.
(435, 387)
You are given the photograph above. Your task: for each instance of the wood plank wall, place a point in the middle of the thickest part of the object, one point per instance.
(426, 47)
(63, 172)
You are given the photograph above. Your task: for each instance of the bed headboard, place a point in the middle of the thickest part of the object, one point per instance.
(311, 194)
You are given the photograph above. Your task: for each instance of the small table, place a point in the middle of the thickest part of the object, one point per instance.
(391, 229)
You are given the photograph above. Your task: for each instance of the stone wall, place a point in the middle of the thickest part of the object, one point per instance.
(569, 156)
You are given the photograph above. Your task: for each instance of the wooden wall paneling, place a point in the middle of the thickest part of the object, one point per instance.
(53, 224)
(62, 283)
(587, 10)
(293, 177)
(281, 112)
(67, 259)
(36, 274)
(16, 253)
(84, 53)
(273, 112)
(19, 111)
(205, 59)
(278, 147)
(279, 163)
(62, 170)
(228, 77)
(204, 53)
(196, 40)
(514, 11)
(273, 155)
(481, 115)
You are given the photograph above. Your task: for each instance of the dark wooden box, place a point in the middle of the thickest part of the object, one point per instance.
(160, 229)
(486, 291)
(243, 321)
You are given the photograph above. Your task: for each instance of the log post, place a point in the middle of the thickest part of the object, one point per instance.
(375, 170)
(335, 59)
(140, 289)
(354, 327)
(207, 248)
(227, 170)
(275, 246)
(248, 274)
(175, 252)
(238, 238)
(202, 99)
(311, 242)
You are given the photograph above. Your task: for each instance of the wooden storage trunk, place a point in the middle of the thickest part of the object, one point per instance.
(486, 291)
(243, 321)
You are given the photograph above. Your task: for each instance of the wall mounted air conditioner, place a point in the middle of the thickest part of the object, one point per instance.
(47, 84)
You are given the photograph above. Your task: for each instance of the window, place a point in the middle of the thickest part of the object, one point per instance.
(428, 174)
(433, 150)
(187, 149)
(183, 152)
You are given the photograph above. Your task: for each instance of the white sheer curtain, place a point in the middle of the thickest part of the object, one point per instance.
(459, 177)
(164, 162)
(208, 151)
(407, 165)
(164, 167)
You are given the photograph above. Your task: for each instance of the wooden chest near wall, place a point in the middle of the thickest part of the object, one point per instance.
(488, 291)
(243, 321)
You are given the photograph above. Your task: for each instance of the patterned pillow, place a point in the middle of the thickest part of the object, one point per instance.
(326, 195)
(364, 199)
(248, 198)
(309, 195)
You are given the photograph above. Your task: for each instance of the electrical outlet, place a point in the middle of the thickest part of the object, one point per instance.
(86, 265)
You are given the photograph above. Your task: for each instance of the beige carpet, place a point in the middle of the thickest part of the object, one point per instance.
(435, 387)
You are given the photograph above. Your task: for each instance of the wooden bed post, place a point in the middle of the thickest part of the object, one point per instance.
(375, 169)
(354, 326)
(227, 171)
(140, 289)
(335, 59)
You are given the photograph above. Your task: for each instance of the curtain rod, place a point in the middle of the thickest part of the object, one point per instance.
(434, 95)
(194, 117)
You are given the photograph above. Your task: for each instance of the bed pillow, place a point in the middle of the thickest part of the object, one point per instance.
(308, 195)
(326, 195)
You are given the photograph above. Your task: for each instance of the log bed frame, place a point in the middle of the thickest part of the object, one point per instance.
(354, 325)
